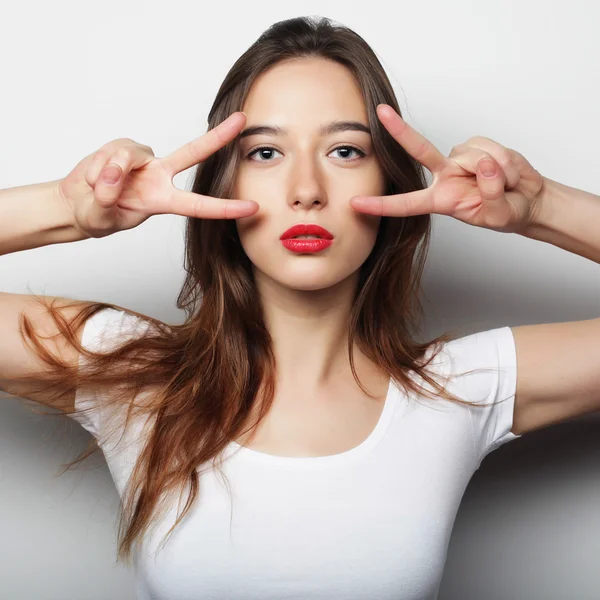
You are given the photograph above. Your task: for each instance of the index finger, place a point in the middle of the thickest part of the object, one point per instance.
(201, 148)
(419, 147)
(190, 204)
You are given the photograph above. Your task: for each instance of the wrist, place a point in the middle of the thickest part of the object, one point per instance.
(70, 230)
(543, 207)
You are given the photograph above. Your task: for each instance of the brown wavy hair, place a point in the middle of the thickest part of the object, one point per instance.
(207, 374)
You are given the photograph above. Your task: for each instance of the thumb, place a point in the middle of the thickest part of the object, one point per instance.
(490, 180)
(103, 211)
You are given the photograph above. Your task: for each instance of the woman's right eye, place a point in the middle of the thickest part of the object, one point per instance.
(260, 149)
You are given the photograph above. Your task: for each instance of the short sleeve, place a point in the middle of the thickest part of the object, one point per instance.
(105, 330)
(493, 351)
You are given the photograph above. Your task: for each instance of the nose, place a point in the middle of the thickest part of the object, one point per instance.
(307, 189)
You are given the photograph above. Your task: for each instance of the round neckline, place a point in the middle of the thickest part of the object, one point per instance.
(352, 454)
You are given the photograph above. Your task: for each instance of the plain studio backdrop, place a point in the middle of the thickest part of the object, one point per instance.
(524, 73)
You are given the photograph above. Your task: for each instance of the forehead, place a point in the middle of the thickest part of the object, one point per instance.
(304, 91)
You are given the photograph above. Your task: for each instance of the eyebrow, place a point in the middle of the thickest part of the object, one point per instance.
(327, 129)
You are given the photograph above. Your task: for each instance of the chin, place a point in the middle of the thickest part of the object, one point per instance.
(309, 278)
(306, 286)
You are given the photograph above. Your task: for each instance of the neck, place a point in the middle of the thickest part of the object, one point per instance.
(309, 329)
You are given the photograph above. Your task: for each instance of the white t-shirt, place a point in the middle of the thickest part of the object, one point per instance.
(372, 523)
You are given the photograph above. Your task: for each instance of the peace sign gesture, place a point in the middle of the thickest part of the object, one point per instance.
(504, 201)
(122, 184)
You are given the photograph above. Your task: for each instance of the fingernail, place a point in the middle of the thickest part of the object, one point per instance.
(111, 174)
(487, 168)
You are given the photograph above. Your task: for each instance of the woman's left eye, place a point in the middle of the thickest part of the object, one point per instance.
(360, 153)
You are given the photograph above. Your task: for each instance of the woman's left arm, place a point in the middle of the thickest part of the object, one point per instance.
(485, 184)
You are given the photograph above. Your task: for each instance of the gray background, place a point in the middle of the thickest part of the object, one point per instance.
(76, 75)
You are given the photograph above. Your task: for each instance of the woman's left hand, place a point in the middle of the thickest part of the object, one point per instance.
(505, 202)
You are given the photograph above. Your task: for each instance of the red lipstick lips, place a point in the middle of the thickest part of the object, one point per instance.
(306, 229)
(324, 239)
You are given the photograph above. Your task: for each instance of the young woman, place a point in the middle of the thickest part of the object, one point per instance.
(345, 443)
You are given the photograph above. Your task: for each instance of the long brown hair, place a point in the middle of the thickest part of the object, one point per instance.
(206, 374)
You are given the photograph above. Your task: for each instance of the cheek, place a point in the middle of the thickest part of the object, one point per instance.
(254, 234)
(366, 238)
(363, 226)
(361, 237)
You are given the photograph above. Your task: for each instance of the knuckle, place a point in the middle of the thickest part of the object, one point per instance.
(90, 180)
(458, 149)
(515, 156)
(122, 155)
(110, 147)
(101, 154)
(480, 139)
(503, 156)
(118, 142)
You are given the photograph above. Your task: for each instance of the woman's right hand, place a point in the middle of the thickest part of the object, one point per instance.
(145, 184)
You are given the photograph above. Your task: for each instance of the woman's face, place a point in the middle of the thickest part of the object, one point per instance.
(305, 176)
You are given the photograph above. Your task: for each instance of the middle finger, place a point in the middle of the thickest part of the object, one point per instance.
(199, 206)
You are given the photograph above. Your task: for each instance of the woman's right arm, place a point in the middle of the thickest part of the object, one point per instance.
(35, 215)
(32, 216)
(83, 205)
